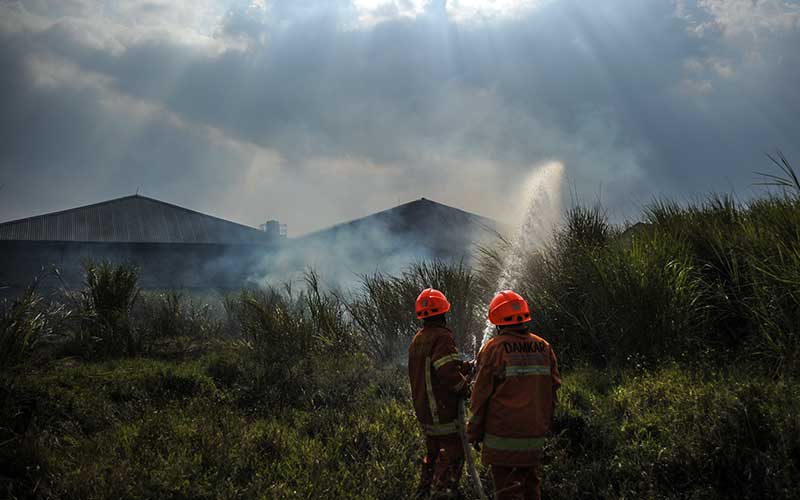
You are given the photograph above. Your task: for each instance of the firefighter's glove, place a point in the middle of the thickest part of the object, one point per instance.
(476, 446)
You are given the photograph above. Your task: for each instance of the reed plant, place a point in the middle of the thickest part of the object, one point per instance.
(172, 319)
(27, 321)
(291, 336)
(716, 280)
(383, 310)
(106, 301)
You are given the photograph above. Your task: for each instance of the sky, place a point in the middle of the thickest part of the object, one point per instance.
(319, 111)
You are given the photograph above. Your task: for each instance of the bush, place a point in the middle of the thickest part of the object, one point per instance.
(167, 317)
(285, 334)
(106, 302)
(717, 279)
(272, 331)
(674, 434)
(748, 257)
(24, 323)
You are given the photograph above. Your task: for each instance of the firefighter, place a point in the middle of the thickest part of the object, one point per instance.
(437, 382)
(513, 399)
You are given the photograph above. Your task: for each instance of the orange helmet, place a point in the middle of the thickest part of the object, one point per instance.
(508, 308)
(431, 302)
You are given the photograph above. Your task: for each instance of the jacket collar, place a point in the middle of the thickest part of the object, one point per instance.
(435, 327)
(523, 330)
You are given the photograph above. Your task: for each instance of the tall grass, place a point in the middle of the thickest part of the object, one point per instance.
(294, 338)
(672, 433)
(25, 322)
(107, 300)
(272, 329)
(171, 319)
(383, 311)
(748, 257)
(139, 428)
(110, 316)
(716, 280)
(787, 179)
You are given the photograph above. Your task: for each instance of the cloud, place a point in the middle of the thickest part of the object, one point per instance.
(737, 17)
(721, 67)
(697, 87)
(316, 111)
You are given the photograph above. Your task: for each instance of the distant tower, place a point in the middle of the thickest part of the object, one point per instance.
(274, 228)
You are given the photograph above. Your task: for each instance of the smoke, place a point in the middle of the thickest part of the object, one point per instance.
(540, 212)
(385, 243)
(339, 258)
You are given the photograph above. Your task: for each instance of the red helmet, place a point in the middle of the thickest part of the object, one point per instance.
(508, 308)
(431, 302)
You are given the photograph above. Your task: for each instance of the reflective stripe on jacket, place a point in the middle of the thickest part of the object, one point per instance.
(513, 397)
(434, 369)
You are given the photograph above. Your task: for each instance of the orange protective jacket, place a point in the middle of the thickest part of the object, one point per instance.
(434, 368)
(513, 397)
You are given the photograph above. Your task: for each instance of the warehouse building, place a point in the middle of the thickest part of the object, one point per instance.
(173, 246)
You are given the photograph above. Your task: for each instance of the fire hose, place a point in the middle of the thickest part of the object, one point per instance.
(471, 467)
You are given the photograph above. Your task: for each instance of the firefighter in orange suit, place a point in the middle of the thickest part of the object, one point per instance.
(513, 399)
(437, 383)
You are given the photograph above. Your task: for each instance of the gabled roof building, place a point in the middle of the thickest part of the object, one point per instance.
(132, 219)
(176, 247)
(173, 246)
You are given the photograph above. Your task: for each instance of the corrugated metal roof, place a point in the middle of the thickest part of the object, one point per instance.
(131, 219)
(423, 216)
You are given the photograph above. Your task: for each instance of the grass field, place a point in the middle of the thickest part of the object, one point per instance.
(678, 339)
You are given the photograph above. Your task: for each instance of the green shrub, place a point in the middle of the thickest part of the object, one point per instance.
(718, 278)
(275, 335)
(106, 302)
(170, 319)
(326, 314)
(25, 322)
(674, 434)
(226, 369)
(286, 334)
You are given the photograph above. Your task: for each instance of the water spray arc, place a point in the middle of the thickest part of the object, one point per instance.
(542, 209)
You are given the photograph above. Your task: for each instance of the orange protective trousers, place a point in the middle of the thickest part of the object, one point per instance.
(516, 483)
(444, 458)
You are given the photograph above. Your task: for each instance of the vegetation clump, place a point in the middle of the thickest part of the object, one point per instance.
(714, 283)
(678, 339)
